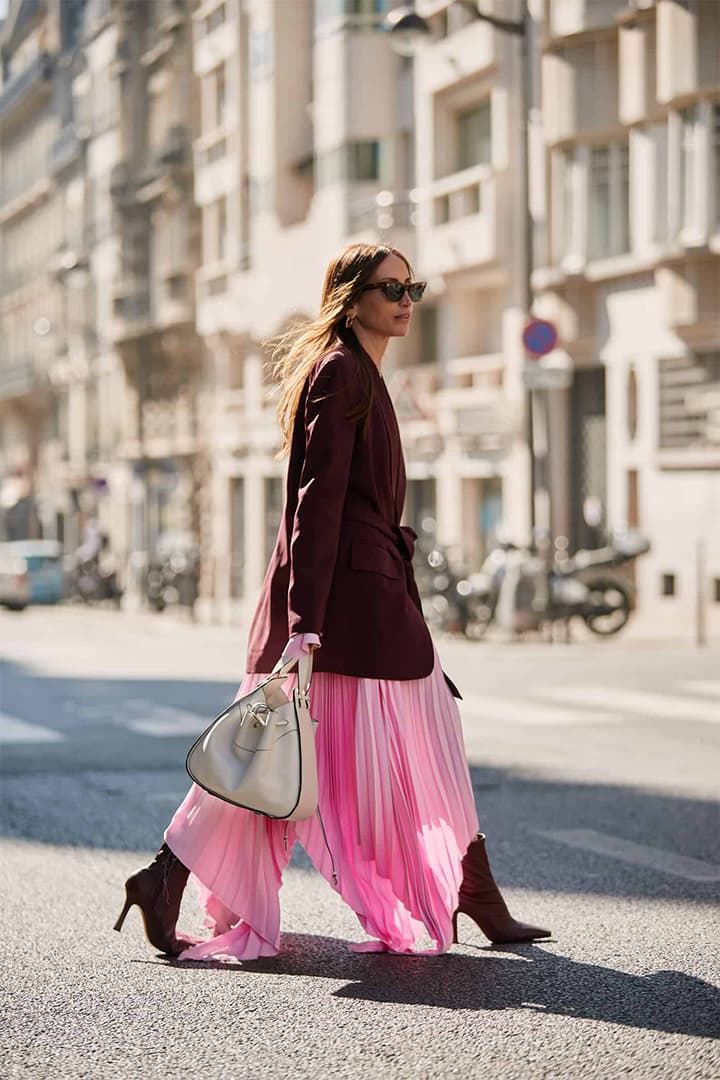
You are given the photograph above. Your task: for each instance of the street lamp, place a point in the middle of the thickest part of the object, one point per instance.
(410, 31)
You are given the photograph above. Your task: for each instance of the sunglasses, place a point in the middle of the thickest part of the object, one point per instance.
(394, 290)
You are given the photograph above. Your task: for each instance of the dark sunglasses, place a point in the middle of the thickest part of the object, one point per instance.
(394, 290)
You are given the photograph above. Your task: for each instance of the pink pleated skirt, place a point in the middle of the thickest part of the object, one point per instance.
(398, 809)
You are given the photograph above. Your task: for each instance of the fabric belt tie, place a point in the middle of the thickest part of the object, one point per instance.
(405, 538)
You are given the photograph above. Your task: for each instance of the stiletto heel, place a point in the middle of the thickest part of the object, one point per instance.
(157, 890)
(481, 900)
(454, 926)
(121, 917)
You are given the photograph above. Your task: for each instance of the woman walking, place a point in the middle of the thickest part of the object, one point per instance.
(394, 788)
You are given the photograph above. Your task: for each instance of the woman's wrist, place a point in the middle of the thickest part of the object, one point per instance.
(301, 645)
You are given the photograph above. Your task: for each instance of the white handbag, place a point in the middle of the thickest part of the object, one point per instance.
(260, 752)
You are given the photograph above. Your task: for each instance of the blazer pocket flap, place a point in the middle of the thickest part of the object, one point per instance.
(374, 560)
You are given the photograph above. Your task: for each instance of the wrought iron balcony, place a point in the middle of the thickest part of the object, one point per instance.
(36, 76)
(65, 150)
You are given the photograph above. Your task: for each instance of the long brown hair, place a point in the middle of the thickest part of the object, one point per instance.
(297, 351)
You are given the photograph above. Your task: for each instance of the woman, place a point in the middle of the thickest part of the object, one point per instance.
(394, 786)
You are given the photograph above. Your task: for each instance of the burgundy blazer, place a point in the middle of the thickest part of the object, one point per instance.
(342, 564)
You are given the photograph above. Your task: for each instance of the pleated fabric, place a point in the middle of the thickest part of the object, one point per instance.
(397, 804)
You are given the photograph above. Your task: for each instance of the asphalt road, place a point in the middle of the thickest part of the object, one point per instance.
(595, 772)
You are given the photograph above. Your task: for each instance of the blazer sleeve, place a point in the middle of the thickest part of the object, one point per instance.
(329, 444)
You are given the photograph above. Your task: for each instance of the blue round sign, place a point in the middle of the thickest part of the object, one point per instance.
(539, 337)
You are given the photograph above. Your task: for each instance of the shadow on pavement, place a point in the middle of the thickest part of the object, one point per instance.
(107, 785)
(668, 1001)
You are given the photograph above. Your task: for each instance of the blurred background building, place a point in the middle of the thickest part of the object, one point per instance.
(175, 175)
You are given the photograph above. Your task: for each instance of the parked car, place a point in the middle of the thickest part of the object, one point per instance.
(31, 572)
(14, 581)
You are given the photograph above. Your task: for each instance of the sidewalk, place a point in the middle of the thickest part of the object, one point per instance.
(638, 634)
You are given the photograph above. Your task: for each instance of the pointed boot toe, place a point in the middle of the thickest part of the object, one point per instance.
(481, 900)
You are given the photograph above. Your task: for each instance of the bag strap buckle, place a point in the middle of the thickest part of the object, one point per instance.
(260, 713)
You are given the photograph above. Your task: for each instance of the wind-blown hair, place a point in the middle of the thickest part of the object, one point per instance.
(296, 352)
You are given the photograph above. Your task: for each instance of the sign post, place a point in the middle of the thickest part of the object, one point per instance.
(539, 339)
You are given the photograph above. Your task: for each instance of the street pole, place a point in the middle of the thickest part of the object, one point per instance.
(410, 29)
(527, 294)
(141, 383)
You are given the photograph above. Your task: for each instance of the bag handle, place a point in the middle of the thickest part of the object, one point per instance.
(284, 666)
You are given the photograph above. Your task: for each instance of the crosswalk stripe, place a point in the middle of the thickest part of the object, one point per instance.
(706, 687)
(484, 707)
(638, 854)
(165, 722)
(13, 730)
(644, 702)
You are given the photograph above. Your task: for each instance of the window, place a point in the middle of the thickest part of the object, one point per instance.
(365, 7)
(632, 403)
(667, 587)
(565, 204)
(421, 506)
(215, 231)
(222, 227)
(608, 200)
(599, 207)
(428, 334)
(685, 400)
(274, 491)
(633, 500)
(716, 161)
(473, 136)
(237, 537)
(363, 161)
(214, 99)
(689, 139)
(659, 137)
(327, 10)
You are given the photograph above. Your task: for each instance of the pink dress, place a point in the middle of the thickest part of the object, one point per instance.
(397, 804)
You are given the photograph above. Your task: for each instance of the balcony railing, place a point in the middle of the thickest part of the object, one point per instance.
(459, 221)
(24, 181)
(385, 211)
(231, 419)
(36, 76)
(65, 149)
(131, 305)
(17, 377)
(577, 16)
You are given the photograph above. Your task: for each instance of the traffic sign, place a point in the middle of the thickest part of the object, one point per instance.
(537, 377)
(539, 337)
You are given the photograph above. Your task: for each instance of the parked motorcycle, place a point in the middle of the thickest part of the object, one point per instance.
(173, 574)
(443, 602)
(89, 581)
(538, 596)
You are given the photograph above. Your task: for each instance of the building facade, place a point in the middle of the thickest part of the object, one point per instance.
(631, 275)
(38, 167)
(210, 157)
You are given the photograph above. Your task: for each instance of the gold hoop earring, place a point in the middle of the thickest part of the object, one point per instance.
(349, 321)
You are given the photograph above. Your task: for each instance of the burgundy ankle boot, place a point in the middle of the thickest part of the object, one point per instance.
(481, 900)
(157, 890)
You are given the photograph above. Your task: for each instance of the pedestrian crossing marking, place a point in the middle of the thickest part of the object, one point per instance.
(643, 702)
(628, 851)
(549, 706)
(166, 722)
(528, 712)
(705, 687)
(14, 730)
